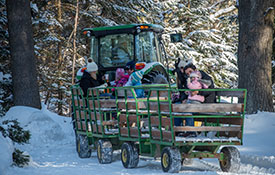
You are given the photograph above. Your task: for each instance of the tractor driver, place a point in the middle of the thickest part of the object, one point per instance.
(120, 53)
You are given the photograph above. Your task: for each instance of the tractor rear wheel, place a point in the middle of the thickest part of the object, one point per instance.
(155, 77)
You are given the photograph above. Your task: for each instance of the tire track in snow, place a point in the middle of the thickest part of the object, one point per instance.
(249, 165)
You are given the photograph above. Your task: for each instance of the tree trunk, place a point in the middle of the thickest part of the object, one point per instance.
(74, 41)
(255, 53)
(60, 62)
(23, 61)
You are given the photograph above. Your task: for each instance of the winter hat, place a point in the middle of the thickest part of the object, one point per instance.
(183, 63)
(91, 66)
(196, 74)
(136, 77)
(130, 65)
(119, 73)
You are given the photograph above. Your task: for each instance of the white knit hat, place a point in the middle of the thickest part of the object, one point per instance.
(183, 63)
(91, 66)
(196, 74)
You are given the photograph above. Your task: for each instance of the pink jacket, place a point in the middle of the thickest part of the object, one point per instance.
(195, 84)
(123, 80)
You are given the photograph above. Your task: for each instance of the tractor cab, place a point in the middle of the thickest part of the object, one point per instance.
(113, 46)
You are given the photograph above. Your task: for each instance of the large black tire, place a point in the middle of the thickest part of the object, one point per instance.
(170, 160)
(104, 151)
(82, 146)
(231, 161)
(155, 77)
(129, 155)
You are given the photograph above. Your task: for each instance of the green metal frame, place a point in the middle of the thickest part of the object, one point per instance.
(93, 135)
(188, 147)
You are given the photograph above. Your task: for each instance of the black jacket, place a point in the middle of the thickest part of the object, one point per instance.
(88, 82)
(182, 83)
(210, 96)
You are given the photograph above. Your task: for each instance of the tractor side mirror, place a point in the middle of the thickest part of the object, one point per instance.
(176, 37)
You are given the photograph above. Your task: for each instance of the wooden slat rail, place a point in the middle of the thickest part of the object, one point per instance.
(142, 103)
(104, 103)
(162, 93)
(183, 108)
(81, 116)
(223, 120)
(240, 94)
(131, 118)
(98, 116)
(208, 128)
(165, 121)
(78, 102)
(109, 123)
(121, 93)
(208, 107)
(166, 135)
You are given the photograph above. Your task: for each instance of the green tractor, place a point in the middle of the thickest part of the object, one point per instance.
(113, 46)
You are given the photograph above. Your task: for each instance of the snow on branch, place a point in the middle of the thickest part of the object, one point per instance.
(223, 12)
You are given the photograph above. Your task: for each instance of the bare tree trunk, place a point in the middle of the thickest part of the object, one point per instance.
(256, 20)
(74, 41)
(24, 73)
(60, 61)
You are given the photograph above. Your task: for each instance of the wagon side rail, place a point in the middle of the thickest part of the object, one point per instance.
(102, 112)
(224, 119)
(79, 111)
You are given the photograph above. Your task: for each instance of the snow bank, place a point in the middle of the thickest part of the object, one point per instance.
(259, 134)
(45, 128)
(6, 150)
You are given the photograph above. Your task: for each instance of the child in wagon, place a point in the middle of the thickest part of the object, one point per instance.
(195, 82)
(135, 80)
(121, 78)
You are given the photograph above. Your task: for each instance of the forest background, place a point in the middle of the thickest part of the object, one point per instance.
(209, 28)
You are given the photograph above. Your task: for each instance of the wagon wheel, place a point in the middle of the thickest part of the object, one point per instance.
(82, 146)
(104, 151)
(170, 160)
(129, 155)
(231, 159)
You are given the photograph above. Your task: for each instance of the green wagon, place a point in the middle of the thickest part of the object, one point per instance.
(145, 126)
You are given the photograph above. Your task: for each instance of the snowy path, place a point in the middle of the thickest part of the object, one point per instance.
(63, 159)
(53, 152)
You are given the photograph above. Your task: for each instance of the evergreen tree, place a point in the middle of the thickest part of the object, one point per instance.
(209, 34)
(6, 100)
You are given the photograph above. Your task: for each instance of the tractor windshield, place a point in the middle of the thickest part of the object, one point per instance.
(148, 49)
(118, 49)
(115, 50)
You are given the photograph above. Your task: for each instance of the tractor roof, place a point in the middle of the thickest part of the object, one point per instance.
(129, 28)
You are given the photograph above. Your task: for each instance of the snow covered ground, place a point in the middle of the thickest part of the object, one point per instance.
(52, 149)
